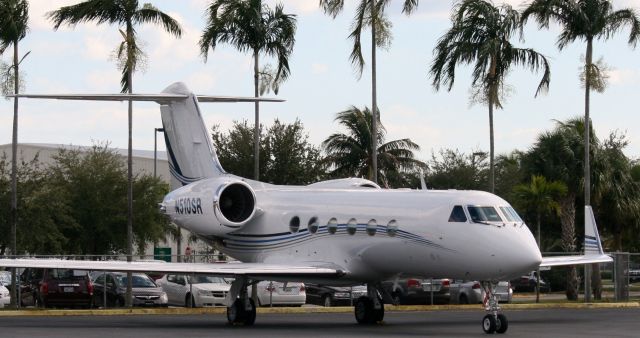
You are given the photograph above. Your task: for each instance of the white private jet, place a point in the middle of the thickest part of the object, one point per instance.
(336, 232)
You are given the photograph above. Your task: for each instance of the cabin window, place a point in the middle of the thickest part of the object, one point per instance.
(392, 228)
(332, 226)
(372, 227)
(457, 214)
(294, 224)
(352, 226)
(313, 225)
(483, 214)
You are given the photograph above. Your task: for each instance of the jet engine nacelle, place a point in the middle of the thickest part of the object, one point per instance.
(212, 206)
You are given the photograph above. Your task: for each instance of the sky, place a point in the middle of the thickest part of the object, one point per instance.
(322, 82)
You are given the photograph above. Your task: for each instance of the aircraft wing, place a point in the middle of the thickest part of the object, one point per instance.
(574, 260)
(249, 270)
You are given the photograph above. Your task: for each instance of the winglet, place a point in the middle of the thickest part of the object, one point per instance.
(592, 243)
(593, 252)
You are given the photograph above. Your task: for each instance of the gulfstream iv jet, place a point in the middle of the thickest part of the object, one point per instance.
(337, 232)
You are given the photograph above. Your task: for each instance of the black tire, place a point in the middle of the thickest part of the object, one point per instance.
(38, 302)
(120, 302)
(378, 314)
(464, 299)
(326, 301)
(237, 315)
(364, 311)
(502, 324)
(489, 324)
(250, 317)
(189, 301)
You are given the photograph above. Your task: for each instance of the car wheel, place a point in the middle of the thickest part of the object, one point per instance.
(464, 299)
(120, 302)
(326, 300)
(189, 301)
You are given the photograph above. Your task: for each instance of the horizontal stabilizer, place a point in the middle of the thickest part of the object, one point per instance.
(159, 98)
(250, 270)
(593, 252)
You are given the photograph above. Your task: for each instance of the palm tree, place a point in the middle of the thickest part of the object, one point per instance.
(125, 13)
(480, 35)
(542, 196)
(350, 154)
(557, 155)
(369, 13)
(584, 20)
(14, 18)
(250, 25)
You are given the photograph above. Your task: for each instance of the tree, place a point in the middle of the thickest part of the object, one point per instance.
(542, 196)
(369, 13)
(125, 13)
(556, 155)
(451, 169)
(93, 184)
(250, 25)
(14, 19)
(480, 35)
(584, 20)
(287, 157)
(350, 154)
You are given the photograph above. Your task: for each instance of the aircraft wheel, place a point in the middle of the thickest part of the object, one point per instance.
(235, 313)
(250, 318)
(489, 324)
(502, 324)
(364, 311)
(378, 314)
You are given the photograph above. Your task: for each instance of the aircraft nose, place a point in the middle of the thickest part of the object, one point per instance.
(529, 257)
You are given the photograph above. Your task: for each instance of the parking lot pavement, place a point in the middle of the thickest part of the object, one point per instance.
(620, 322)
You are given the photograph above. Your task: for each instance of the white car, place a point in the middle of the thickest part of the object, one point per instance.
(278, 293)
(5, 297)
(196, 291)
(471, 292)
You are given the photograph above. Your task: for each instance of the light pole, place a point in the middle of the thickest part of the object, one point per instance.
(155, 149)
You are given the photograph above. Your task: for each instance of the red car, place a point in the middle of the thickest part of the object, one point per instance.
(56, 288)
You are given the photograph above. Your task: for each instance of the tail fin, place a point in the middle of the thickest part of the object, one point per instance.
(592, 243)
(192, 156)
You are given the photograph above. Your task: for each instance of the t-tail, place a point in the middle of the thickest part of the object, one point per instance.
(190, 151)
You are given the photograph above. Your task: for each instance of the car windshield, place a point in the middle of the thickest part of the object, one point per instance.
(206, 279)
(138, 281)
(483, 214)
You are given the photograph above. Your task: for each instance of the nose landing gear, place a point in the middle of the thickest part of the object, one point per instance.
(243, 310)
(369, 309)
(493, 322)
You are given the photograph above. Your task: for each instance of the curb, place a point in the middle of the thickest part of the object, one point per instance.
(337, 309)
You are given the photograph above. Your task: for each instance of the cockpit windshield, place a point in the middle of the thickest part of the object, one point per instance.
(511, 215)
(483, 214)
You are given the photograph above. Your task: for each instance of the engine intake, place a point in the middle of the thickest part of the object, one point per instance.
(236, 204)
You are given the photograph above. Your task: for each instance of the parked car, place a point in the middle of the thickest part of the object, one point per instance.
(418, 291)
(5, 297)
(634, 275)
(56, 287)
(471, 292)
(527, 283)
(145, 292)
(334, 295)
(5, 278)
(278, 293)
(196, 291)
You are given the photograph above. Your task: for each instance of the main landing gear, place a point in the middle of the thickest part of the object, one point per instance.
(493, 322)
(243, 310)
(369, 309)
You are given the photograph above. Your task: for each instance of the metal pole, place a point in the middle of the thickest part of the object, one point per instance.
(431, 289)
(104, 290)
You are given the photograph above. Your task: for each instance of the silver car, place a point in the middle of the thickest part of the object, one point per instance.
(471, 292)
(194, 291)
(5, 297)
(278, 293)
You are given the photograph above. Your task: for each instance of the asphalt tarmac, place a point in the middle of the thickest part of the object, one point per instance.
(623, 322)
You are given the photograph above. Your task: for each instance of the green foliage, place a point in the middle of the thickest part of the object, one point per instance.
(451, 169)
(14, 20)
(251, 26)
(349, 155)
(286, 156)
(78, 205)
